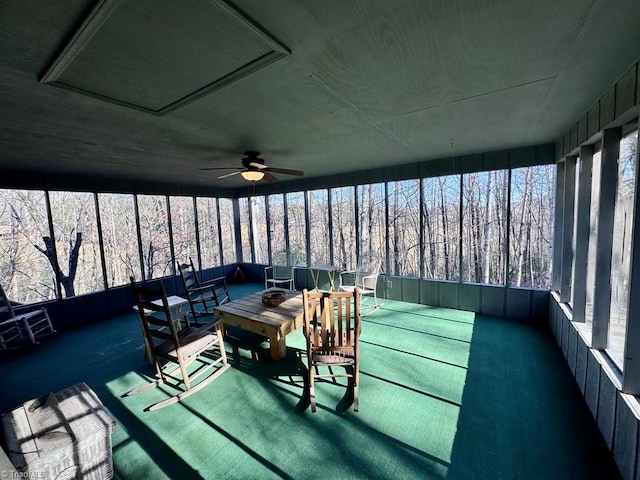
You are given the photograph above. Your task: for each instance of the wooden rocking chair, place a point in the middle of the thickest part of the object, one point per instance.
(175, 351)
(203, 296)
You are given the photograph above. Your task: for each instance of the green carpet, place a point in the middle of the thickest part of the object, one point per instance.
(444, 394)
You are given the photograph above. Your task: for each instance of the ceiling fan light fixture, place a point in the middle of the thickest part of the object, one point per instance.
(252, 175)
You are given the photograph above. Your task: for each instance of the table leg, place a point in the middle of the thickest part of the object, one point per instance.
(331, 274)
(277, 347)
(315, 274)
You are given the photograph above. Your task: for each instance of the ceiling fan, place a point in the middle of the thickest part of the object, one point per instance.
(253, 169)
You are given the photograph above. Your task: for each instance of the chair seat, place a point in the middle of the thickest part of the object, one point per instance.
(351, 288)
(192, 341)
(332, 358)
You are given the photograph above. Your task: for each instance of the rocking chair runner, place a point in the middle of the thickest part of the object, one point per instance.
(332, 331)
(174, 350)
(21, 329)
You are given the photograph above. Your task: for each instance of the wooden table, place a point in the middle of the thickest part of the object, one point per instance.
(315, 275)
(249, 313)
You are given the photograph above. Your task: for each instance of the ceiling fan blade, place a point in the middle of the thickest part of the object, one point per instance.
(286, 171)
(269, 178)
(229, 174)
(258, 166)
(221, 168)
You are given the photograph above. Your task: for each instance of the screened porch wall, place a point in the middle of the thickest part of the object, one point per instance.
(611, 389)
(525, 304)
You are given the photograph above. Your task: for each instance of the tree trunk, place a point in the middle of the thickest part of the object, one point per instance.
(445, 234)
(486, 241)
(397, 268)
(525, 211)
(74, 249)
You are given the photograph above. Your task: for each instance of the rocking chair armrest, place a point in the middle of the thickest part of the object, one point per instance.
(213, 282)
(9, 321)
(29, 315)
(25, 317)
(201, 288)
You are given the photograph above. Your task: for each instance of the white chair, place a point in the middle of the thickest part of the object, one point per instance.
(365, 279)
(281, 273)
(17, 329)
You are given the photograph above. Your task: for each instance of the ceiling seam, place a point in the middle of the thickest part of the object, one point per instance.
(479, 95)
(355, 110)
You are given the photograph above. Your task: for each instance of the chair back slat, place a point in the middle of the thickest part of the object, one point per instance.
(156, 318)
(332, 331)
(331, 320)
(189, 277)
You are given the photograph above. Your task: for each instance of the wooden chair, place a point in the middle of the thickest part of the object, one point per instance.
(203, 297)
(332, 331)
(21, 329)
(364, 278)
(174, 353)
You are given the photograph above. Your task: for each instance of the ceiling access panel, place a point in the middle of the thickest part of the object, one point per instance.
(160, 56)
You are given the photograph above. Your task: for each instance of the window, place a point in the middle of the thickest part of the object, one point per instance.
(119, 237)
(297, 228)
(593, 238)
(441, 211)
(344, 227)
(404, 227)
(208, 232)
(26, 274)
(77, 257)
(277, 225)
(531, 229)
(259, 229)
(183, 227)
(245, 232)
(227, 231)
(154, 234)
(621, 252)
(484, 227)
(372, 220)
(319, 241)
